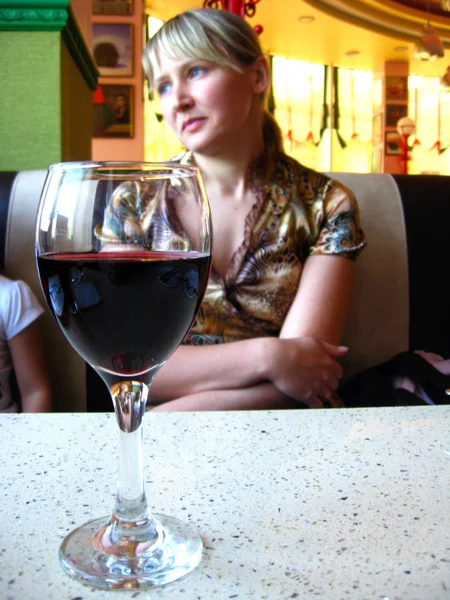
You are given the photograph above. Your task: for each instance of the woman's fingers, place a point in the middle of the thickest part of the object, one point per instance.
(306, 370)
(333, 350)
(332, 383)
(315, 402)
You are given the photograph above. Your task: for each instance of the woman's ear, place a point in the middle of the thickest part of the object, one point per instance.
(261, 75)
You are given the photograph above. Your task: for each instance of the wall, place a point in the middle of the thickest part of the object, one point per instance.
(47, 76)
(130, 148)
(30, 101)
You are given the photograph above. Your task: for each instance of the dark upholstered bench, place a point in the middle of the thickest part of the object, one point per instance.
(400, 299)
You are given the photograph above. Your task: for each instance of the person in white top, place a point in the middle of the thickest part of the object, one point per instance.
(21, 350)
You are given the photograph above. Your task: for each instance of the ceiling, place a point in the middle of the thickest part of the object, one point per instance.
(375, 28)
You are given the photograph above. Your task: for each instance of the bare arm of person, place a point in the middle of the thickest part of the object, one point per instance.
(300, 364)
(316, 317)
(322, 302)
(195, 369)
(246, 363)
(316, 320)
(30, 369)
(263, 396)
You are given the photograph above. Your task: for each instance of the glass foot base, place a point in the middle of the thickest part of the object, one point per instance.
(176, 552)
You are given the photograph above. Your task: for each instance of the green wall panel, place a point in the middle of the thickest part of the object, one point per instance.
(30, 99)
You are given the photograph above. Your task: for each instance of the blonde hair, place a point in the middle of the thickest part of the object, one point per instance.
(216, 35)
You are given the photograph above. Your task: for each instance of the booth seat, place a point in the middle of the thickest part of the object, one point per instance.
(400, 298)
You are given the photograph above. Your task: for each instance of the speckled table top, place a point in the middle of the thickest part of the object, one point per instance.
(325, 504)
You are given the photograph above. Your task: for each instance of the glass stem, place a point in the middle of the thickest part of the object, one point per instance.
(129, 398)
(131, 531)
(131, 502)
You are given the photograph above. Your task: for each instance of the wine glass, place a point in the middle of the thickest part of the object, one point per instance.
(123, 254)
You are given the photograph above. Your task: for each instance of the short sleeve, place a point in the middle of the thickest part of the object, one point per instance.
(20, 308)
(340, 232)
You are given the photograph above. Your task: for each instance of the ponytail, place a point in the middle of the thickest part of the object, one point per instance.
(273, 147)
(273, 139)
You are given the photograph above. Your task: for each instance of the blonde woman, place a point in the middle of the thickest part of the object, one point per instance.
(285, 237)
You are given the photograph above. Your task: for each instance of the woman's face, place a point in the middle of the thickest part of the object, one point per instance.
(207, 106)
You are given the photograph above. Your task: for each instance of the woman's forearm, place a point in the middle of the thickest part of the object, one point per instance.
(262, 396)
(300, 368)
(196, 369)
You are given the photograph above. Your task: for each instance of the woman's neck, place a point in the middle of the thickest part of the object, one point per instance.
(229, 171)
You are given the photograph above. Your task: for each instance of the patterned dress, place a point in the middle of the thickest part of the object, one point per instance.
(298, 213)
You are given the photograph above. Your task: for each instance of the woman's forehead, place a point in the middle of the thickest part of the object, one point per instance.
(176, 59)
(163, 61)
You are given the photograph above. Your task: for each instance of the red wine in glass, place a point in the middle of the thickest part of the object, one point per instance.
(99, 298)
(123, 255)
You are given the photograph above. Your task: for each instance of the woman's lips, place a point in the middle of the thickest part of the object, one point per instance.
(193, 124)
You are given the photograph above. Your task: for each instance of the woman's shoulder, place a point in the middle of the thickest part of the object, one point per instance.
(312, 185)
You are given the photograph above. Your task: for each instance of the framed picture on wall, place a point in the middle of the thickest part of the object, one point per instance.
(396, 88)
(113, 7)
(392, 143)
(394, 112)
(113, 111)
(112, 45)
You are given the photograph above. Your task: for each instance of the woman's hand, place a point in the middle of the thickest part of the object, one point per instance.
(304, 368)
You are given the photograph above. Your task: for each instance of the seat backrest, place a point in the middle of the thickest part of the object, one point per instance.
(66, 368)
(378, 323)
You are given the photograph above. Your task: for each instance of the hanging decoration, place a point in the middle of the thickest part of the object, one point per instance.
(325, 109)
(336, 109)
(416, 149)
(302, 149)
(293, 143)
(438, 144)
(355, 135)
(429, 46)
(355, 151)
(358, 154)
(310, 151)
(241, 8)
(310, 136)
(290, 133)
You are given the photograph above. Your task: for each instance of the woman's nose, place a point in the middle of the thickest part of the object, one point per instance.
(182, 98)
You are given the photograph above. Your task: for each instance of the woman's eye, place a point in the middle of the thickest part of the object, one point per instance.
(196, 71)
(163, 88)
